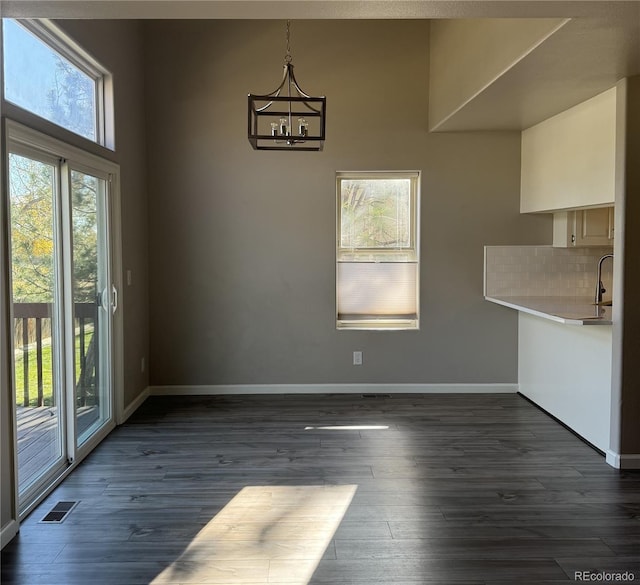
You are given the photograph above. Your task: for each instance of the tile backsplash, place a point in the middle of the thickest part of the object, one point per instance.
(545, 271)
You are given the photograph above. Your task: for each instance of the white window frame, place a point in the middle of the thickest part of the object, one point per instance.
(409, 255)
(59, 42)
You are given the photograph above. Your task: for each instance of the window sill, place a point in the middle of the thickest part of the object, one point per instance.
(377, 324)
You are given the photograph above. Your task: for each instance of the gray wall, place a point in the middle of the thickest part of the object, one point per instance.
(625, 402)
(630, 396)
(117, 45)
(242, 243)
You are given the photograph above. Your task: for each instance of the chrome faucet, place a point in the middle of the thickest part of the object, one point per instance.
(600, 290)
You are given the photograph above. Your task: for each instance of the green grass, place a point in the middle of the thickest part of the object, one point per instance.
(47, 372)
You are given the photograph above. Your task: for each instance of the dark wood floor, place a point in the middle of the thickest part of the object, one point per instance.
(460, 489)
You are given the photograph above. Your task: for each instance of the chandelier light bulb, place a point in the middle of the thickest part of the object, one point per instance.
(303, 127)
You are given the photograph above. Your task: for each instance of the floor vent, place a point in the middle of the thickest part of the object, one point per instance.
(59, 512)
(372, 395)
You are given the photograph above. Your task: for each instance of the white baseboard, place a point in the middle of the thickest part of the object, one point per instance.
(623, 461)
(229, 389)
(137, 403)
(8, 532)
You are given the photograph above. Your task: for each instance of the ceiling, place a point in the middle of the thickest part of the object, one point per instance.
(278, 9)
(582, 58)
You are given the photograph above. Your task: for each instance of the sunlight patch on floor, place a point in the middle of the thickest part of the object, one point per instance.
(265, 534)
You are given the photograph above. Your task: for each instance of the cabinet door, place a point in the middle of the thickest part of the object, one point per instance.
(568, 161)
(593, 227)
(583, 227)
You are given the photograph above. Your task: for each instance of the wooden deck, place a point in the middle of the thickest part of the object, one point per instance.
(38, 437)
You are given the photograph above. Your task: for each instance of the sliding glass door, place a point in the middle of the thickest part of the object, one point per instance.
(34, 193)
(63, 303)
(91, 294)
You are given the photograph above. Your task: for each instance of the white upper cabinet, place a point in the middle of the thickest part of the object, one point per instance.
(568, 161)
(583, 227)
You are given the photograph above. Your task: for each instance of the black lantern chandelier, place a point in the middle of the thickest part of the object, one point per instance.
(287, 118)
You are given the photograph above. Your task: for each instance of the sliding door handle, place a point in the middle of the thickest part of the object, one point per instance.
(103, 299)
(114, 304)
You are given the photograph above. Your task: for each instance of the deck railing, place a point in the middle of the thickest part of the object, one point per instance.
(33, 322)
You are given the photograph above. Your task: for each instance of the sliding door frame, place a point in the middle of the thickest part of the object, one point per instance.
(26, 139)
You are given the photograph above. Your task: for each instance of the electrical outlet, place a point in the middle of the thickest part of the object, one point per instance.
(357, 358)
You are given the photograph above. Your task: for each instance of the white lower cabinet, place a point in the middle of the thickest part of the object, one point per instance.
(583, 227)
(567, 371)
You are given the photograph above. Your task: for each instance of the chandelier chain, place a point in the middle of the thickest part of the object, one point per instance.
(287, 57)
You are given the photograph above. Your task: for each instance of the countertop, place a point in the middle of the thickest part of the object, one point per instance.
(567, 310)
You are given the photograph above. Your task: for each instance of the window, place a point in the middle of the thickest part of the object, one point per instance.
(48, 75)
(377, 273)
